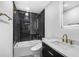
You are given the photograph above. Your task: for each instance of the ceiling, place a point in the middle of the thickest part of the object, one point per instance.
(70, 4)
(32, 6)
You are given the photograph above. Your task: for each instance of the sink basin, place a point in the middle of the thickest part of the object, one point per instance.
(62, 44)
(58, 43)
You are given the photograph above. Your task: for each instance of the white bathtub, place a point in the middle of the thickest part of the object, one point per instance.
(24, 48)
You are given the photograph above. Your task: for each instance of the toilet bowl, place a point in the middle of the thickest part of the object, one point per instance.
(37, 49)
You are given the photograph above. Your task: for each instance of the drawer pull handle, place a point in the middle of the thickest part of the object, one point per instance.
(50, 53)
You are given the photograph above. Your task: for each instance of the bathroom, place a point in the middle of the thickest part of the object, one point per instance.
(39, 28)
(50, 23)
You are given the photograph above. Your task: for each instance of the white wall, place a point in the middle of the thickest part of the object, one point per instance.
(51, 20)
(6, 30)
(52, 23)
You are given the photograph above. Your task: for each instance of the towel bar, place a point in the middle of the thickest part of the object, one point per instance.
(5, 15)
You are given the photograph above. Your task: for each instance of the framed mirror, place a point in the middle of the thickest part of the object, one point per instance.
(70, 14)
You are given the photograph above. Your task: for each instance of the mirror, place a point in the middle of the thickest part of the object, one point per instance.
(70, 14)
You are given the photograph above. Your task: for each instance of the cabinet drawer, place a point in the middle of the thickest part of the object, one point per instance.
(55, 53)
(50, 52)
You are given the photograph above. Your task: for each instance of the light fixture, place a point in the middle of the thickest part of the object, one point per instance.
(27, 14)
(27, 11)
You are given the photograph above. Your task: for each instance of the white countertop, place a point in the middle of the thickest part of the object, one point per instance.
(64, 49)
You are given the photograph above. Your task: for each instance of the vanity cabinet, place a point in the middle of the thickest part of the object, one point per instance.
(49, 52)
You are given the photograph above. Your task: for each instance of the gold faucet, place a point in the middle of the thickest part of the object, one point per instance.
(65, 38)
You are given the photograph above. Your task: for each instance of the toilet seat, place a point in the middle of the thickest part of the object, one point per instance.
(36, 47)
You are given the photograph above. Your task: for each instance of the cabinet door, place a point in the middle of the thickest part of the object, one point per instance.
(46, 51)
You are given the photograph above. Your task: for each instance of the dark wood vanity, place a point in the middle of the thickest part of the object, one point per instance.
(49, 52)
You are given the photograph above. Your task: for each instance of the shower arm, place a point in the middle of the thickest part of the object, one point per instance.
(5, 15)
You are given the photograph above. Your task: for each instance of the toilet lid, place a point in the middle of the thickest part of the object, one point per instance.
(36, 47)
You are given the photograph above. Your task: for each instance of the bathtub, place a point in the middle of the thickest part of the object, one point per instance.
(26, 48)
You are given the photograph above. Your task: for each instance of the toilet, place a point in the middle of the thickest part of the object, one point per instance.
(31, 48)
